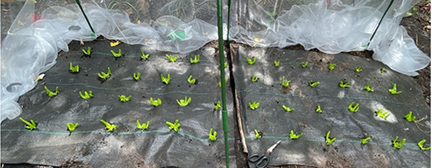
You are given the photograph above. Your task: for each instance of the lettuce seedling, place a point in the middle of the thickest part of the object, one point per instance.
(74, 69)
(354, 107)
(30, 125)
(217, 106)
(117, 54)
(369, 88)
(410, 117)
(225, 65)
(331, 67)
(287, 109)
(136, 76)
(212, 135)
(328, 139)
(191, 80)
(87, 95)
(398, 144)
(144, 56)
(171, 58)
(383, 70)
(104, 76)
(304, 64)
(195, 60)
(422, 147)
(314, 84)
(88, 51)
(124, 98)
(166, 80)
(366, 140)
(155, 103)
(318, 109)
(343, 84)
(394, 90)
(108, 126)
(114, 43)
(294, 136)
(285, 83)
(381, 113)
(143, 126)
(71, 127)
(254, 105)
(254, 79)
(176, 126)
(184, 102)
(51, 93)
(258, 134)
(251, 61)
(358, 69)
(277, 63)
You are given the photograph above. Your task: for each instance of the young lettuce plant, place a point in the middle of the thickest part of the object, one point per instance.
(251, 61)
(74, 69)
(381, 113)
(117, 54)
(195, 60)
(144, 56)
(105, 76)
(165, 80)
(287, 109)
(285, 83)
(191, 80)
(254, 105)
(176, 126)
(71, 127)
(358, 69)
(410, 117)
(394, 90)
(155, 102)
(108, 126)
(114, 43)
(86, 95)
(30, 125)
(294, 136)
(136, 76)
(171, 58)
(51, 93)
(366, 140)
(344, 84)
(304, 64)
(398, 144)
(331, 67)
(329, 140)
(314, 84)
(421, 145)
(184, 102)
(258, 134)
(368, 88)
(87, 52)
(383, 70)
(212, 135)
(318, 109)
(143, 126)
(254, 79)
(354, 107)
(124, 98)
(217, 106)
(277, 63)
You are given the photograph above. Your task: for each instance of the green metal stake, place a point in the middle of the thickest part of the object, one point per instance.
(379, 23)
(85, 16)
(222, 79)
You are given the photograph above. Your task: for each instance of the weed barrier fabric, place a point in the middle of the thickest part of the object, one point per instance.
(91, 144)
(348, 128)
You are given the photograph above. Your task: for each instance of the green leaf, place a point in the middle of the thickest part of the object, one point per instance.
(421, 145)
(254, 105)
(277, 63)
(104, 76)
(184, 102)
(314, 84)
(254, 79)
(331, 67)
(108, 126)
(366, 140)
(410, 117)
(124, 98)
(287, 109)
(136, 76)
(358, 69)
(74, 69)
(212, 135)
(369, 88)
(144, 56)
(195, 60)
(354, 107)
(329, 140)
(394, 90)
(285, 83)
(343, 84)
(88, 51)
(117, 54)
(86, 95)
(258, 134)
(398, 144)
(166, 80)
(191, 80)
(143, 126)
(155, 103)
(217, 106)
(51, 93)
(294, 136)
(381, 113)
(318, 109)
(171, 58)
(30, 125)
(251, 61)
(176, 126)
(304, 65)
(71, 127)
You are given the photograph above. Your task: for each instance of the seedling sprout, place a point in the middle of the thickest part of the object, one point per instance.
(176, 126)
(277, 63)
(88, 51)
(410, 117)
(108, 126)
(117, 54)
(217, 106)
(195, 60)
(166, 80)
(251, 61)
(314, 84)
(394, 90)
(124, 98)
(30, 125)
(343, 84)
(171, 58)
(155, 102)
(358, 69)
(104, 76)
(331, 67)
(294, 136)
(318, 109)
(191, 80)
(328, 139)
(369, 88)
(285, 83)
(144, 56)
(287, 109)
(383, 70)
(114, 43)
(354, 107)
(136, 76)
(304, 64)
(398, 144)
(366, 140)
(254, 105)
(258, 134)
(254, 79)
(184, 102)
(212, 135)
(74, 69)
(51, 93)
(143, 126)
(381, 113)
(71, 127)
(422, 146)
(86, 95)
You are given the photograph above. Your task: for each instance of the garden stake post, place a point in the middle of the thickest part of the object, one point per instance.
(85, 16)
(222, 79)
(379, 23)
